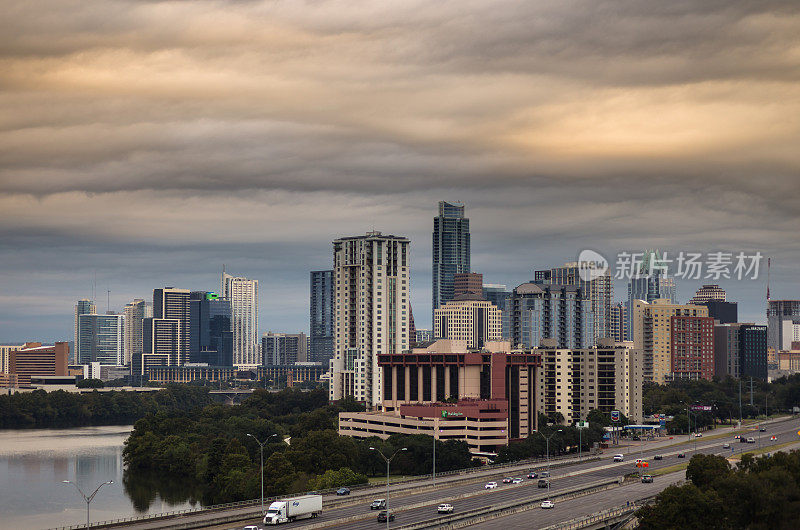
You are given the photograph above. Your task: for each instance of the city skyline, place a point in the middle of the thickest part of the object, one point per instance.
(150, 143)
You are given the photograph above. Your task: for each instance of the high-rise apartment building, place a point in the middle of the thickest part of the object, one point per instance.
(546, 311)
(243, 295)
(676, 341)
(782, 317)
(423, 335)
(210, 329)
(135, 312)
(724, 312)
(707, 293)
(372, 308)
(101, 339)
(501, 298)
(284, 348)
(468, 283)
(165, 335)
(595, 286)
(82, 307)
(617, 329)
(473, 321)
(321, 321)
(726, 349)
(451, 250)
(5, 352)
(753, 351)
(649, 283)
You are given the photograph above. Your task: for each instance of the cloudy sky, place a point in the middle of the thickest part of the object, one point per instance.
(149, 143)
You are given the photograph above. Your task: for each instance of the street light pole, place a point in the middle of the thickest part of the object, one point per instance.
(434, 457)
(547, 452)
(90, 497)
(261, 446)
(388, 461)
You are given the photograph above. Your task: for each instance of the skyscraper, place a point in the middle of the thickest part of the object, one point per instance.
(83, 307)
(321, 317)
(451, 250)
(708, 292)
(617, 322)
(649, 283)
(210, 333)
(545, 311)
(372, 307)
(501, 298)
(243, 295)
(165, 336)
(473, 321)
(284, 348)
(101, 339)
(135, 312)
(783, 317)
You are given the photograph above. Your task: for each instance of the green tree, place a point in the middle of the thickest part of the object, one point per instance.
(703, 470)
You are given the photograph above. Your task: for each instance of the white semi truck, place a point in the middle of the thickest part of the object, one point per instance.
(292, 509)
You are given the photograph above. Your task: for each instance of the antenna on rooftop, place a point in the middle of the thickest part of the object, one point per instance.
(769, 263)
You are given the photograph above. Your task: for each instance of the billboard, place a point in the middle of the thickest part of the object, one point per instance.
(703, 408)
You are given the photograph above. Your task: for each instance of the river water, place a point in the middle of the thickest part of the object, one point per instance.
(33, 464)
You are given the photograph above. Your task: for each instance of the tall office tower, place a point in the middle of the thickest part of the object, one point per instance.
(676, 341)
(101, 339)
(243, 294)
(650, 283)
(284, 348)
(596, 287)
(707, 293)
(544, 311)
(210, 329)
(501, 298)
(83, 307)
(726, 349)
(372, 305)
(753, 351)
(617, 322)
(468, 283)
(165, 335)
(135, 312)
(473, 321)
(724, 312)
(321, 320)
(783, 318)
(451, 252)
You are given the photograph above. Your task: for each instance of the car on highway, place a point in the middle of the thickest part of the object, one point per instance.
(343, 491)
(445, 508)
(378, 504)
(533, 474)
(658, 457)
(516, 480)
(382, 517)
(490, 485)
(251, 527)
(646, 479)
(698, 435)
(751, 440)
(508, 480)
(681, 455)
(544, 474)
(762, 429)
(726, 446)
(547, 504)
(619, 458)
(543, 483)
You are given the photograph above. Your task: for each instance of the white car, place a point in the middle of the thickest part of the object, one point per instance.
(618, 458)
(516, 481)
(698, 435)
(547, 504)
(251, 527)
(445, 508)
(490, 485)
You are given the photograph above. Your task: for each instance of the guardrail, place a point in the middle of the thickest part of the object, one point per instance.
(602, 516)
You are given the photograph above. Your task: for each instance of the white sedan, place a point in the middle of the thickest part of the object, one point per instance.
(490, 485)
(547, 504)
(516, 481)
(445, 508)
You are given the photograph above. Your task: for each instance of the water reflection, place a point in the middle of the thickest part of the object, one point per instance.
(145, 488)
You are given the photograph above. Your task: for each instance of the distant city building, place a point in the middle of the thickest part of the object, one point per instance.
(726, 349)
(676, 341)
(35, 360)
(723, 312)
(708, 293)
(288, 375)
(135, 312)
(451, 250)
(617, 321)
(373, 286)
(598, 288)
(468, 283)
(424, 335)
(649, 283)
(5, 351)
(101, 338)
(82, 307)
(473, 321)
(243, 295)
(501, 298)
(284, 348)
(165, 336)
(545, 311)
(753, 351)
(210, 329)
(321, 322)
(783, 321)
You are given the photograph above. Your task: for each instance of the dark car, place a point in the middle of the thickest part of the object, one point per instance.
(762, 429)
(543, 483)
(658, 457)
(646, 479)
(383, 515)
(681, 455)
(533, 474)
(343, 491)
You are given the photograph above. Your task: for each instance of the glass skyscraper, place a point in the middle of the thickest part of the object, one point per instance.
(451, 250)
(545, 311)
(320, 323)
(210, 329)
(651, 283)
(100, 339)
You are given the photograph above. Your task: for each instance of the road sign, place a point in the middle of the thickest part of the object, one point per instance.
(615, 416)
(582, 425)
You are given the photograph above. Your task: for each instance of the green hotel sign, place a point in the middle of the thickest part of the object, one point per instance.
(446, 414)
(212, 296)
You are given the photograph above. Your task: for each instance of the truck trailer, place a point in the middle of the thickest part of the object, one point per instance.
(289, 510)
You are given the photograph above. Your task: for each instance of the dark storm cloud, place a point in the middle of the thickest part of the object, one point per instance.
(150, 142)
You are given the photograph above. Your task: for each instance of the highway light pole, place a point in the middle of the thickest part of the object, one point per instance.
(261, 446)
(388, 461)
(90, 497)
(547, 452)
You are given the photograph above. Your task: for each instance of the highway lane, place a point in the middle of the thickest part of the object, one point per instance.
(562, 478)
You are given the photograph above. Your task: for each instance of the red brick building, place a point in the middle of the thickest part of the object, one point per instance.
(692, 347)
